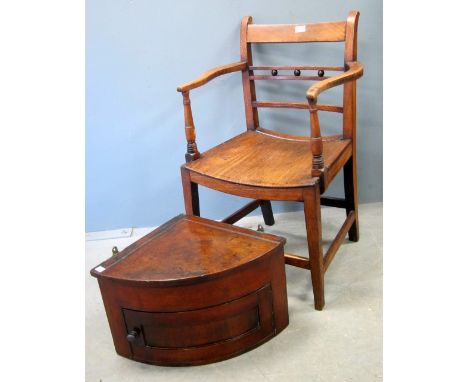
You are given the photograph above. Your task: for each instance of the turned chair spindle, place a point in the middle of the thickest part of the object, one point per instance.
(316, 144)
(192, 150)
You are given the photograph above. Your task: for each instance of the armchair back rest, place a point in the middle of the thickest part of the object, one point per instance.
(323, 32)
(298, 33)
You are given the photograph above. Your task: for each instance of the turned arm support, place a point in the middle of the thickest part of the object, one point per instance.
(353, 72)
(192, 150)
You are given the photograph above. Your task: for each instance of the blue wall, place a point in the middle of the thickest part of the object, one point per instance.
(137, 52)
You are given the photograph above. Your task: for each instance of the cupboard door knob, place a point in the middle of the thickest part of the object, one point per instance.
(133, 335)
(321, 73)
(274, 72)
(297, 72)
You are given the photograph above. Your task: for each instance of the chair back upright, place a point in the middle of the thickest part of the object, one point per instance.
(340, 31)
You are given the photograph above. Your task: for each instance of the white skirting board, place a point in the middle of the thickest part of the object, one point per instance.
(248, 222)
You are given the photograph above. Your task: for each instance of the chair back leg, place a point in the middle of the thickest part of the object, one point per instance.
(351, 195)
(314, 239)
(267, 212)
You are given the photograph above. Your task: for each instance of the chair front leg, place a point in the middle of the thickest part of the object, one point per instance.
(314, 239)
(191, 199)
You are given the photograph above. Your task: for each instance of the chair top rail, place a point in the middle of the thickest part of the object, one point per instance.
(284, 33)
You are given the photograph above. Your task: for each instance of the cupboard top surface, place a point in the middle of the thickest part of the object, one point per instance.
(187, 249)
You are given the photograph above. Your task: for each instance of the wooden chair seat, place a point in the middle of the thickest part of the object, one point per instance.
(258, 159)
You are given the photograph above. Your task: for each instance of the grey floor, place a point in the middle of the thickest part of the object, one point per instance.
(341, 343)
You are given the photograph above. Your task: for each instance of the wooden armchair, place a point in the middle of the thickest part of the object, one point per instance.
(266, 165)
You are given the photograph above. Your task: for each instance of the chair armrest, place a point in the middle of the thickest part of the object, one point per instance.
(355, 71)
(213, 73)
